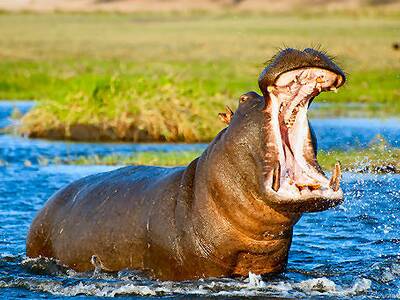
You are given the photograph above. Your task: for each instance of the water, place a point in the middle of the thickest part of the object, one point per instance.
(346, 133)
(350, 251)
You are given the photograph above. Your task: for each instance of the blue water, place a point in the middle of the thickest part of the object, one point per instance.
(345, 133)
(350, 251)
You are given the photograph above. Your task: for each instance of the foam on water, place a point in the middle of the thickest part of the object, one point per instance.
(70, 283)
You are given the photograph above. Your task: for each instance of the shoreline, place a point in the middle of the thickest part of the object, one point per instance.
(132, 133)
(356, 161)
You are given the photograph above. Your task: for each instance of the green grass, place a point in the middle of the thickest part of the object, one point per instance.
(378, 158)
(152, 158)
(165, 77)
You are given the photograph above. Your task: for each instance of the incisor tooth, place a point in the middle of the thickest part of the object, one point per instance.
(334, 183)
(339, 80)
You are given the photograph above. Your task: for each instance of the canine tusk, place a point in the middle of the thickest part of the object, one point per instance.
(334, 183)
(339, 80)
(276, 177)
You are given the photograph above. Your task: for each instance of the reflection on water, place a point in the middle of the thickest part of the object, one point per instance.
(349, 251)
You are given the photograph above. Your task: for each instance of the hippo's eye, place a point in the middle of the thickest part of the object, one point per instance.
(243, 98)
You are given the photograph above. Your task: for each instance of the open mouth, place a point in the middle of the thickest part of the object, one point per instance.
(297, 174)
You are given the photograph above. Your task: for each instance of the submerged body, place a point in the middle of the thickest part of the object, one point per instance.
(145, 218)
(229, 212)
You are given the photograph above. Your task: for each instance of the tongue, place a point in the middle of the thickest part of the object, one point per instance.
(284, 133)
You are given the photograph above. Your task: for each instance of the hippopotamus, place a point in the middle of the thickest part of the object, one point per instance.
(231, 211)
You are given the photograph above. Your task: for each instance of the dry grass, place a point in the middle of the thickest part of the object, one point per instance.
(193, 5)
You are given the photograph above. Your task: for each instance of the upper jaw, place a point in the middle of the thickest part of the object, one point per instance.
(290, 59)
(297, 88)
(294, 181)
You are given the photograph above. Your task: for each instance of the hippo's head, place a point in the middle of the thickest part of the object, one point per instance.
(271, 135)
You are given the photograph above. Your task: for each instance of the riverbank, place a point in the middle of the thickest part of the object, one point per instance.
(165, 77)
(378, 158)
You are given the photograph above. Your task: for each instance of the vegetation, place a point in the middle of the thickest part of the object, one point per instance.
(165, 77)
(377, 158)
(151, 158)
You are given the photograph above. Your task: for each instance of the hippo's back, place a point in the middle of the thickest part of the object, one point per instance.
(107, 215)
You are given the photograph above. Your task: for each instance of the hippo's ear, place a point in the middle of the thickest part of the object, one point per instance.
(227, 116)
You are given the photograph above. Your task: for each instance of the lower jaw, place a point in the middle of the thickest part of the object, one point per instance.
(292, 192)
(310, 203)
(289, 197)
(310, 191)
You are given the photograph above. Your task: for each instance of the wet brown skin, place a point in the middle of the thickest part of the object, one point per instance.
(213, 218)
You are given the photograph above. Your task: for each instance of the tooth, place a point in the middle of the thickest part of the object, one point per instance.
(334, 183)
(339, 80)
(333, 89)
(276, 177)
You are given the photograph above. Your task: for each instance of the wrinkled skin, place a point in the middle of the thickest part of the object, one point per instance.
(226, 214)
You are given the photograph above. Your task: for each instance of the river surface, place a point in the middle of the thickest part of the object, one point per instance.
(346, 252)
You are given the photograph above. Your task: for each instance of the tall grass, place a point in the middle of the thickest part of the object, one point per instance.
(165, 77)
